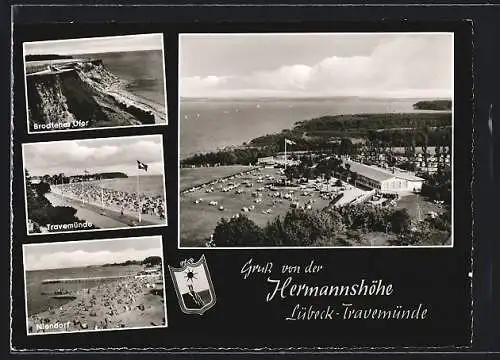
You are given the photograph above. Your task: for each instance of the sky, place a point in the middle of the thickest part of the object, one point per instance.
(95, 155)
(95, 45)
(93, 252)
(400, 65)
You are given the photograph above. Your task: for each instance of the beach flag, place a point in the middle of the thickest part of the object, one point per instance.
(142, 166)
(290, 142)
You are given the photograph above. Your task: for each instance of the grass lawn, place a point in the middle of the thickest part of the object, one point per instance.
(198, 221)
(411, 202)
(190, 177)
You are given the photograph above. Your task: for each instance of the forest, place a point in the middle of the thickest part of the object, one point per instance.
(46, 57)
(440, 105)
(40, 210)
(326, 133)
(332, 227)
(62, 179)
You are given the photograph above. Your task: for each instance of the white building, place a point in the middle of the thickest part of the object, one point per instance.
(374, 177)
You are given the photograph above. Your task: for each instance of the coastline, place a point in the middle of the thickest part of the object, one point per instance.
(121, 94)
(205, 125)
(88, 82)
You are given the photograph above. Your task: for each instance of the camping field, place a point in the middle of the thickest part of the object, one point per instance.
(198, 220)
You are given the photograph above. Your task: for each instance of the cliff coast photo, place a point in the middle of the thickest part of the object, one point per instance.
(95, 83)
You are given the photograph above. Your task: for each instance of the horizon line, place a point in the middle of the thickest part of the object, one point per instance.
(318, 97)
(98, 173)
(81, 266)
(93, 53)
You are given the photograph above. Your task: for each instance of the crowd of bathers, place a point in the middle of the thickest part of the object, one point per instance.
(119, 200)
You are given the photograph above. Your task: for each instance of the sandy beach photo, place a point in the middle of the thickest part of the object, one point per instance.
(94, 285)
(92, 184)
(316, 140)
(86, 83)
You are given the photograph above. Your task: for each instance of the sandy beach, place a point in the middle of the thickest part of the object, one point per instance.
(106, 217)
(135, 301)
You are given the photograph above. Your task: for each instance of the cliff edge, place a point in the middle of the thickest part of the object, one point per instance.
(76, 93)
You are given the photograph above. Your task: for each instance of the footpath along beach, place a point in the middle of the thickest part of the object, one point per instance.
(131, 302)
(102, 217)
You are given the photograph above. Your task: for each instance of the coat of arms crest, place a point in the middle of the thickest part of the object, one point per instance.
(193, 286)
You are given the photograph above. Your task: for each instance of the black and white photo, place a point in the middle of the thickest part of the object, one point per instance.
(94, 285)
(100, 82)
(316, 140)
(104, 183)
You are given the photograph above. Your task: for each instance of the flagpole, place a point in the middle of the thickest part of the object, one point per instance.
(285, 153)
(138, 196)
(102, 193)
(81, 185)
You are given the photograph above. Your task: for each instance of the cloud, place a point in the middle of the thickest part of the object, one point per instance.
(405, 66)
(79, 258)
(95, 155)
(94, 252)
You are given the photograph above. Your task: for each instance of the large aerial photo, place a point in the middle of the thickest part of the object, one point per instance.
(316, 140)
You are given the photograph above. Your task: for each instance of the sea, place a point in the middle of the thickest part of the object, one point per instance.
(211, 124)
(38, 302)
(143, 70)
(151, 185)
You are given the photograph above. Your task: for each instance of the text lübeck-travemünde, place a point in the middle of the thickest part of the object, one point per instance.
(353, 312)
(363, 288)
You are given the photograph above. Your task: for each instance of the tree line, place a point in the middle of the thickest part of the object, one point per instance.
(42, 57)
(373, 122)
(442, 105)
(326, 134)
(63, 179)
(41, 212)
(244, 156)
(149, 261)
(327, 227)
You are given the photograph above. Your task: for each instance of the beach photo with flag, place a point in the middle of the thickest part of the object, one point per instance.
(108, 183)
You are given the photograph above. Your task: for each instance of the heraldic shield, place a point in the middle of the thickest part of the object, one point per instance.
(193, 286)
